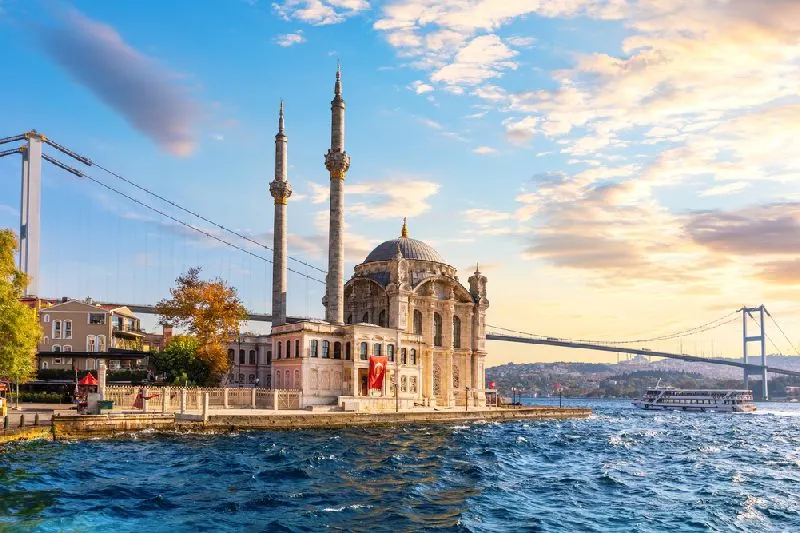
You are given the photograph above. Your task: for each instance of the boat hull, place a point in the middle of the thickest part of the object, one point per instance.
(648, 406)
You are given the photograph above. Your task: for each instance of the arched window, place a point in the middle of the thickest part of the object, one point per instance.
(347, 351)
(241, 378)
(44, 365)
(376, 348)
(46, 320)
(363, 353)
(314, 348)
(403, 356)
(67, 348)
(286, 380)
(280, 350)
(296, 348)
(417, 322)
(278, 380)
(253, 357)
(269, 381)
(390, 352)
(241, 357)
(231, 355)
(269, 357)
(456, 332)
(365, 318)
(297, 383)
(326, 345)
(413, 356)
(251, 378)
(230, 378)
(382, 318)
(337, 350)
(437, 329)
(288, 349)
(349, 319)
(56, 348)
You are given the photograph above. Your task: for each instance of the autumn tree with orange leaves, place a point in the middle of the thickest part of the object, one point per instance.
(211, 311)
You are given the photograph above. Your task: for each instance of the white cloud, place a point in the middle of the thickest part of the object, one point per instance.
(521, 131)
(431, 123)
(389, 198)
(482, 58)
(419, 87)
(521, 42)
(728, 188)
(485, 150)
(319, 12)
(289, 39)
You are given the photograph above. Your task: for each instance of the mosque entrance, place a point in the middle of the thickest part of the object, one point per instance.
(363, 379)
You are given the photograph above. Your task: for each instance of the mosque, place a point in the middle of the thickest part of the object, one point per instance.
(403, 302)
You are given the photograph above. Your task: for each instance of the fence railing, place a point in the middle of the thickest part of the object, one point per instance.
(170, 399)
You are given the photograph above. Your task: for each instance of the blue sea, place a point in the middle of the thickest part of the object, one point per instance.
(620, 470)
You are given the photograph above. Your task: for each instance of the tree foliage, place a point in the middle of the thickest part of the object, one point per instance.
(210, 311)
(179, 360)
(19, 326)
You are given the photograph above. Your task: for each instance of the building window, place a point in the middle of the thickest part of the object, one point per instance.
(376, 348)
(56, 329)
(269, 357)
(297, 348)
(437, 329)
(403, 356)
(241, 378)
(363, 353)
(288, 349)
(67, 348)
(382, 318)
(44, 365)
(413, 356)
(456, 332)
(403, 384)
(278, 380)
(68, 329)
(365, 318)
(349, 319)
(97, 318)
(253, 357)
(347, 351)
(101, 343)
(286, 383)
(231, 355)
(280, 350)
(241, 357)
(417, 322)
(337, 350)
(56, 348)
(46, 320)
(57, 361)
(269, 381)
(297, 383)
(251, 379)
(230, 378)
(91, 343)
(390, 352)
(314, 348)
(325, 348)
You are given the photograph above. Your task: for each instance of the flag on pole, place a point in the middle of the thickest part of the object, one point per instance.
(377, 369)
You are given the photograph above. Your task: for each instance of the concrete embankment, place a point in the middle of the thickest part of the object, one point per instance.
(77, 427)
(27, 433)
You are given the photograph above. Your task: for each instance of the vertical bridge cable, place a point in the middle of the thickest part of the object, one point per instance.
(785, 336)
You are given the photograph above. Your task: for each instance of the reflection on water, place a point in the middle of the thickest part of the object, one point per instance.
(623, 469)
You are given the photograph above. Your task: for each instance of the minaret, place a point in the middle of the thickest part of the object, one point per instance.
(281, 191)
(337, 162)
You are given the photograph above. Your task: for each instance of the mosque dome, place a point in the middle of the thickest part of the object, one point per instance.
(410, 248)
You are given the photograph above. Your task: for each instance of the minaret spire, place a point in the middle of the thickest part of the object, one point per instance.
(404, 231)
(280, 191)
(337, 162)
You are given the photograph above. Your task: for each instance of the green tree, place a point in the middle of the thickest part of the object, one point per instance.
(19, 326)
(211, 312)
(180, 362)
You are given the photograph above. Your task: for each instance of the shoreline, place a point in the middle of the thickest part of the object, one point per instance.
(81, 427)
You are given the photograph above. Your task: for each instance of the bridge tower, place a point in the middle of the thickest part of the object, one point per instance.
(761, 338)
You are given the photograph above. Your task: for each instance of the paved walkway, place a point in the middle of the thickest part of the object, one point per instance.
(30, 410)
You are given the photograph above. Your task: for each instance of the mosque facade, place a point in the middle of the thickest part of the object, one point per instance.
(403, 302)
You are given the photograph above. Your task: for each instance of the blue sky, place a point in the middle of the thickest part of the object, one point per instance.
(616, 167)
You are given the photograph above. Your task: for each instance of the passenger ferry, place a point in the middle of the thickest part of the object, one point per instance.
(714, 400)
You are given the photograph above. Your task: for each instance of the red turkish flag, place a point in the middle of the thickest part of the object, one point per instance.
(377, 369)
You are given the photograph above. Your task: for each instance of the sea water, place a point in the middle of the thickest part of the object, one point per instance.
(623, 469)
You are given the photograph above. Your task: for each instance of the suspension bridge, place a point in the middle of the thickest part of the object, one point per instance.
(172, 215)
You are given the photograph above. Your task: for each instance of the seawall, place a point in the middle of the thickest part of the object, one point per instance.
(78, 427)
(27, 433)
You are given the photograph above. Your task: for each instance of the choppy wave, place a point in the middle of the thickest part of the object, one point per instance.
(621, 470)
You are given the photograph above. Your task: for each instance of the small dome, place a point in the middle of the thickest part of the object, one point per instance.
(410, 248)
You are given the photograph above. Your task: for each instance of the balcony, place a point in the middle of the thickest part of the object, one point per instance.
(127, 332)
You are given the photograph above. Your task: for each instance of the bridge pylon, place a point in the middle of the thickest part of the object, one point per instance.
(760, 338)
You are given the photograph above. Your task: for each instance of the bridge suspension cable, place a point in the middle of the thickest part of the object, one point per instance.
(167, 215)
(708, 326)
(785, 336)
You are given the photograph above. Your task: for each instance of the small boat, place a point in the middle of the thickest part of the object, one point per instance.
(711, 400)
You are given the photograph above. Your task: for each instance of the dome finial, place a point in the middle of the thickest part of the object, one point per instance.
(404, 231)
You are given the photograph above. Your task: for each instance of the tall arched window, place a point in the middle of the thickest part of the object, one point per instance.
(286, 382)
(382, 318)
(413, 356)
(252, 357)
(349, 319)
(347, 351)
(269, 357)
(278, 380)
(456, 332)
(326, 345)
(297, 383)
(251, 379)
(241, 357)
(363, 353)
(390, 352)
(296, 348)
(376, 349)
(437, 329)
(337, 350)
(365, 318)
(288, 349)
(231, 355)
(279, 353)
(417, 322)
(403, 356)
